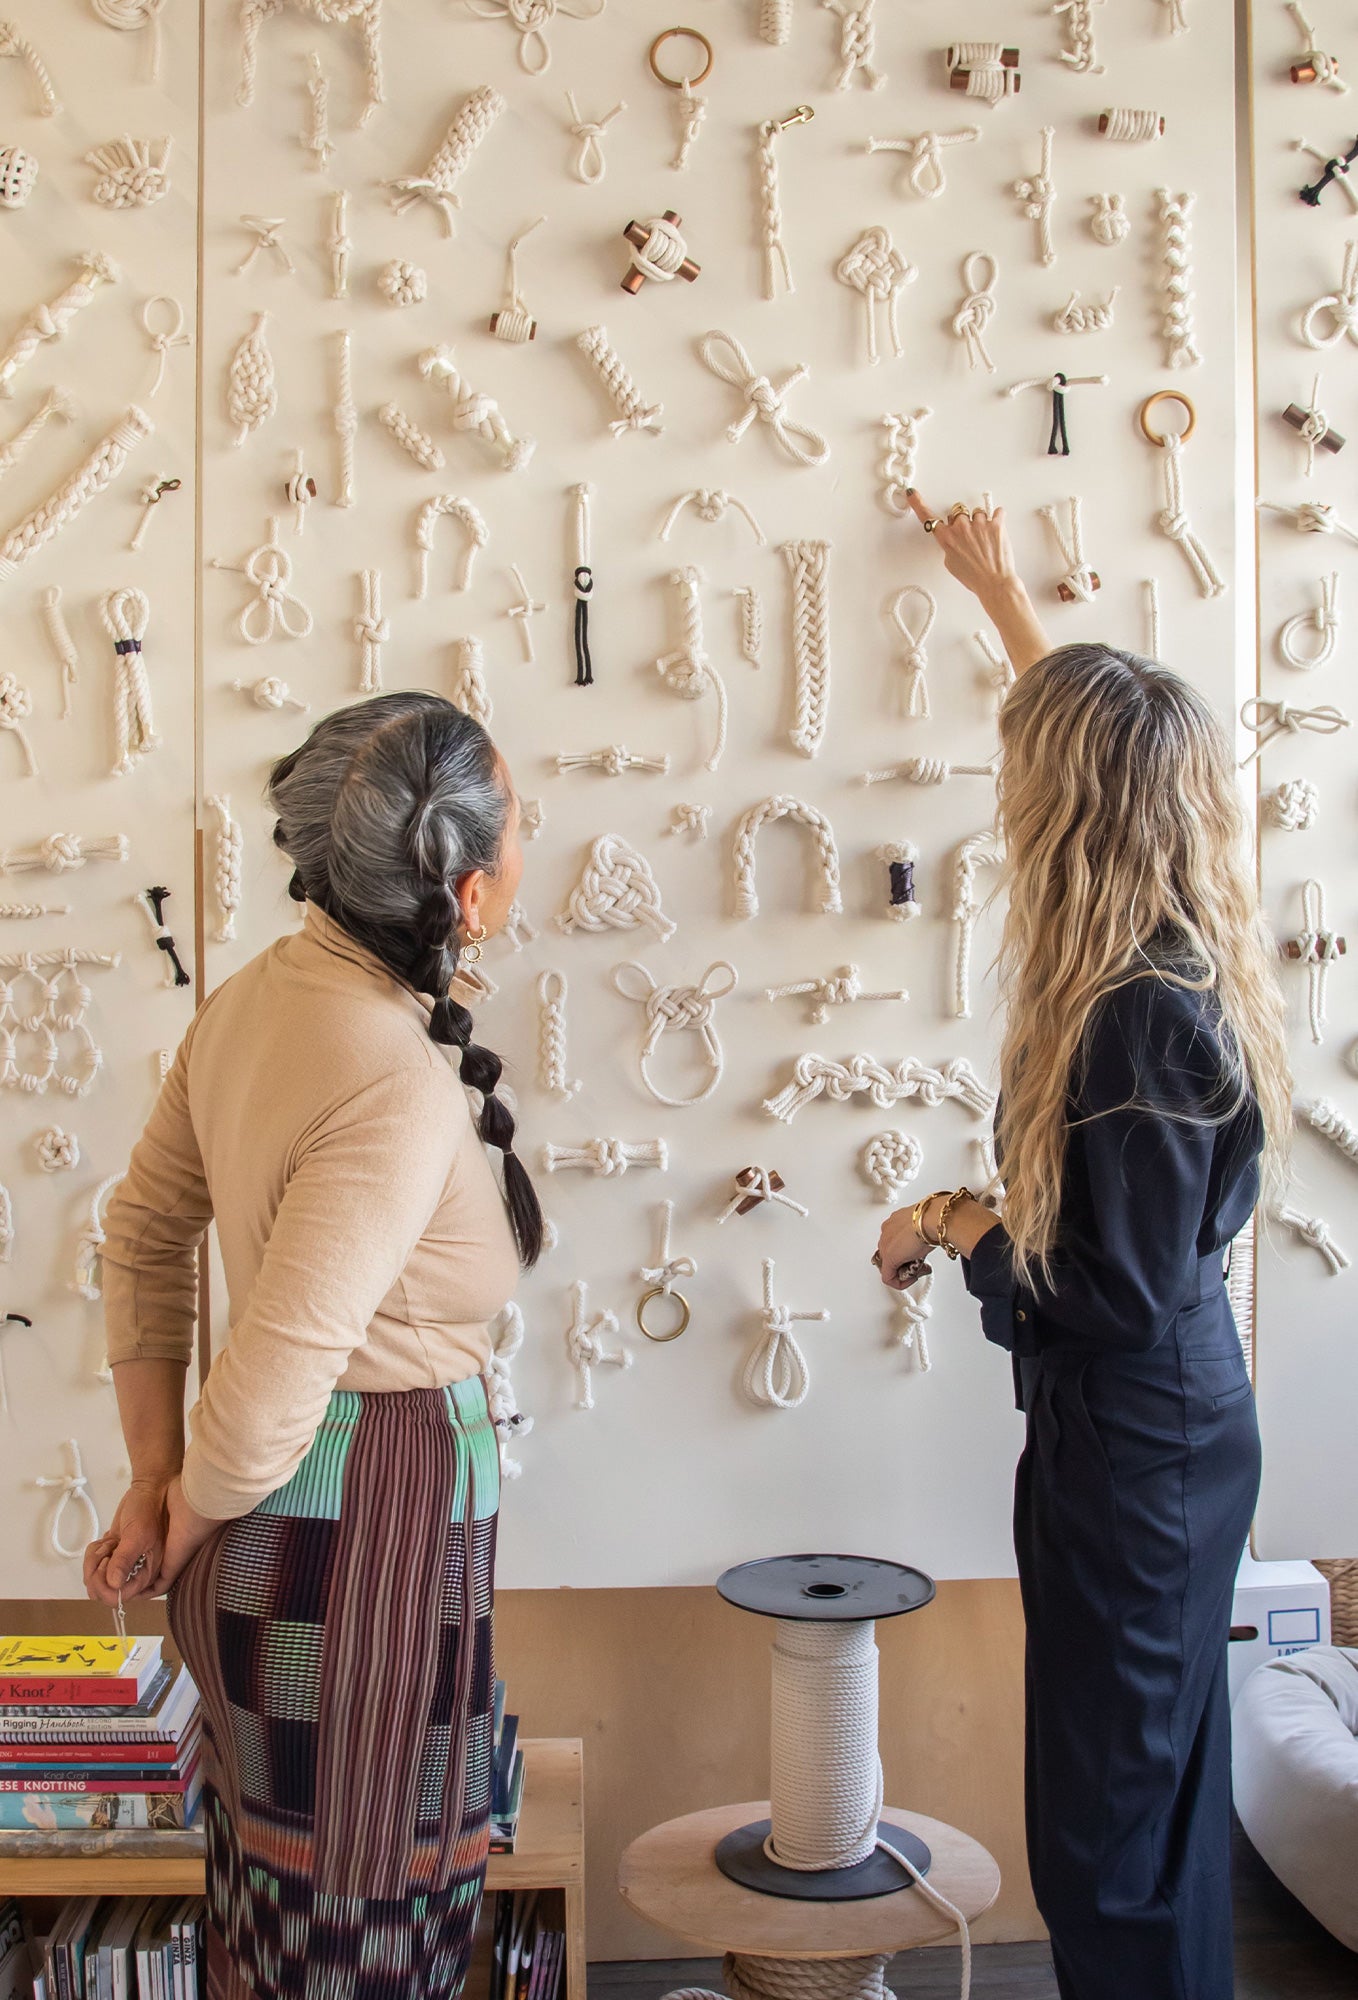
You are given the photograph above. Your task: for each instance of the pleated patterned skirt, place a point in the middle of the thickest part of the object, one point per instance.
(341, 1638)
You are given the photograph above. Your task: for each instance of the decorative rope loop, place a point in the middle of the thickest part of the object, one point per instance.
(1268, 719)
(874, 267)
(126, 615)
(977, 309)
(724, 355)
(74, 1492)
(268, 569)
(890, 1161)
(840, 989)
(777, 807)
(1340, 305)
(776, 1374)
(617, 891)
(926, 174)
(914, 657)
(1294, 639)
(883, 1084)
(678, 1008)
(60, 852)
(590, 165)
(530, 20)
(469, 516)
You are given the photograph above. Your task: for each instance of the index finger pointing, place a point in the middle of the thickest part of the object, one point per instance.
(916, 505)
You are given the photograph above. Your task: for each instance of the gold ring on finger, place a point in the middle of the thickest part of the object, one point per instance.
(930, 524)
(958, 512)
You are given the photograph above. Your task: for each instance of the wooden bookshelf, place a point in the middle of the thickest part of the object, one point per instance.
(550, 1853)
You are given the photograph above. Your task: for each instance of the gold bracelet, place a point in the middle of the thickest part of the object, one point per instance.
(958, 1194)
(917, 1216)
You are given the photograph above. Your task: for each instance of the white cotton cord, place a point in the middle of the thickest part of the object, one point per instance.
(1131, 126)
(914, 644)
(999, 667)
(16, 705)
(973, 316)
(1311, 517)
(724, 355)
(273, 609)
(710, 503)
(775, 22)
(265, 230)
(915, 1307)
(927, 771)
(56, 403)
(1077, 18)
(438, 183)
(512, 320)
(414, 442)
(316, 137)
(616, 891)
(634, 413)
(165, 334)
(1036, 197)
(12, 43)
(841, 988)
(983, 70)
(19, 912)
(402, 283)
(900, 450)
(1316, 948)
(53, 1015)
(1314, 1232)
(1309, 639)
(226, 867)
(615, 760)
(58, 1152)
(50, 319)
(1076, 317)
(809, 570)
(474, 412)
(607, 1159)
(692, 113)
(74, 1492)
(589, 164)
(1323, 69)
(1314, 427)
(1109, 224)
(61, 507)
(340, 245)
(1078, 584)
(365, 14)
(857, 43)
(344, 416)
(691, 821)
(517, 928)
(661, 1277)
(87, 1281)
(1267, 719)
(299, 492)
(1176, 256)
(125, 615)
(1173, 521)
(62, 644)
(251, 387)
(1329, 1122)
(61, 852)
(1176, 15)
(270, 692)
(926, 173)
(775, 1375)
(469, 517)
(1293, 806)
(552, 995)
(506, 1340)
(678, 1009)
(18, 176)
(884, 1084)
(873, 267)
(371, 631)
(765, 813)
(132, 173)
(900, 857)
(688, 670)
(777, 266)
(980, 850)
(585, 1349)
(530, 20)
(889, 1162)
(523, 611)
(1340, 306)
(755, 1185)
(469, 689)
(751, 622)
(1150, 589)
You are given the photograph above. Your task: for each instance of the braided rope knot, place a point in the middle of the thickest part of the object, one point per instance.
(58, 1151)
(678, 1009)
(890, 1161)
(1293, 805)
(61, 851)
(472, 409)
(371, 630)
(664, 251)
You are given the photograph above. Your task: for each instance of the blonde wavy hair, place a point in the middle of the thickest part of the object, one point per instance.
(1121, 818)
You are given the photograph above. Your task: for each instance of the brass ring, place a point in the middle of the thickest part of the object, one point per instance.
(930, 524)
(663, 1292)
(1166, 396)
(679, 82)
(959, 511)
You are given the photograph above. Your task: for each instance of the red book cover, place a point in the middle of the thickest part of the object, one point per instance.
(90, 1752)
(52, 1786)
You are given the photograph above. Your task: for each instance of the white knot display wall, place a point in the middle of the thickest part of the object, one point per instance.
(126, 615)
(725, 356)
(100, 469)
(926, 172)
(678, 1009)
(748, 828)
(469, 517)
(617, 891)
(841, 988)
(808, 566)
(438, 183)
(884, 1084)
(1309, 638)
(688, 670)
(585, 1349)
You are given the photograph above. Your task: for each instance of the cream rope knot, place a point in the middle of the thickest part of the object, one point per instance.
(1173, 519)
(1036, 195)
(756, 1184)
(891, 1160)
(776, 1373)
(1275, 718)
(915, 659)
(609, 1158)
(269, 569)
(884, 1084)
(663, 252)
(61, 851)
(617, 891)
(590, 164)
(1293, 805)
(1079, 579)
(874, 267)
(530, 20)
(678, 1008)
(725, 356)
(585, 1344)
(1341, 305)
(926, 173)
(16, 705)
(840, 989)
(1324, 619)
(1311, 517)
(1314, 1231)
(977, 309)
(506, 1332)
(709, 503)
(74, 1492)
(58, 1152)
(270, 692)
(667, 1273)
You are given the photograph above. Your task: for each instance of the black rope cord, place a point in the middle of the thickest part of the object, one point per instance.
(1058, 444)
(1333, 171)
(902, 875)
(584, 665)
(155, 900)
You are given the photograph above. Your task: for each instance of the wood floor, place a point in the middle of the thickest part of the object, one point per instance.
(1281, 1953)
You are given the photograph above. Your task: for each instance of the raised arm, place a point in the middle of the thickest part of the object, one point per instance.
(975, 549)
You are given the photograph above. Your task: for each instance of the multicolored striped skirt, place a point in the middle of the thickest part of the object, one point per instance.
(341, 1638)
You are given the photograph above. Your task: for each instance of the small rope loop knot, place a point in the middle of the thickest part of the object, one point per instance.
(58, 1152)
(1293, 805)
(915, 658)
(1322, 619)
(976, 311)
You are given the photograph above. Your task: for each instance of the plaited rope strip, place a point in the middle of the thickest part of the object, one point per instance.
(900, 449)
(926, 173)
(914, 655)
(775, 22)
(724, 355)
(808, 566)
(226, 871)
(1315, 1233)
(506, 1340)
(678, 1009)
(99, 471)
(607, 1159)
(751, 622)
(1075, 317)
(475, 412)
(857, 42)
(688, 670)
(552, 995)
(748, 828)
(414, 442)
(1323, 620)
(616, 891)
(12, 43)
(883, 1084)
(1176, 252)
(1329, 1121)
(980, 850)
(776, 263)
(634, 413)
(56, 403)
(438, 183)
(125, 615)
(1036, 196)
(50, 320)
(1080, 55)
(469, 516)
(775, 1375)
(841, 989)
(251, 389)
(585, 1347)
(469, 690)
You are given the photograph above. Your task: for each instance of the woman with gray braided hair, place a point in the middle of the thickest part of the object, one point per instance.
(327, 1539)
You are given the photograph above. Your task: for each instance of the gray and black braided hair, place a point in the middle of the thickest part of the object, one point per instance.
(380, 810)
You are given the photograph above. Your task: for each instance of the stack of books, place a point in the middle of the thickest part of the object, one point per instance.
(506, 1785)
(529, 1949)
(96, 1733)
(107, 1948)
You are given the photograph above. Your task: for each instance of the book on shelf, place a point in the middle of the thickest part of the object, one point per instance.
(528, 1949)
(506, 1782)
(147, 1811)
(77, 1671)
(168, 1707)
(38, 1775)
(16, 1953)
(119, 1948)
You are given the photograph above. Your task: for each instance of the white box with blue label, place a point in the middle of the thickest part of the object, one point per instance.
(1279, 1607)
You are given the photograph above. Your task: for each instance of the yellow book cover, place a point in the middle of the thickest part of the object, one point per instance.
(69, 1656)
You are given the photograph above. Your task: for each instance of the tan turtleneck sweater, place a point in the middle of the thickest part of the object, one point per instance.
(362, 1230)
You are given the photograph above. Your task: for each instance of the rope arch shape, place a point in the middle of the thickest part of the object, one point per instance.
(776, 807)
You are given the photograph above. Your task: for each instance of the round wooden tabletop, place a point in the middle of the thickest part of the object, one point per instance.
(670, 1877)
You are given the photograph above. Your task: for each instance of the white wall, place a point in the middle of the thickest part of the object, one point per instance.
(672, 1475)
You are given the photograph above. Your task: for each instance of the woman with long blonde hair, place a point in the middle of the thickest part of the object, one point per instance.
(1143, 1074)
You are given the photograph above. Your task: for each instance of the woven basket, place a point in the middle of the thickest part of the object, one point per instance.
(1342, 1573)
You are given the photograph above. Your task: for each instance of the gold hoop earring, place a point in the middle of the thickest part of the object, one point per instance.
(471, 948)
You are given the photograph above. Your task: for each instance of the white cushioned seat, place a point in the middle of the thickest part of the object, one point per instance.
(1295, 1756)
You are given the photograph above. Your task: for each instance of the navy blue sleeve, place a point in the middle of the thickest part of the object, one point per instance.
(1135, 1189)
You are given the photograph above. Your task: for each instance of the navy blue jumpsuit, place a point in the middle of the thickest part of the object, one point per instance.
(1132, 1503)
